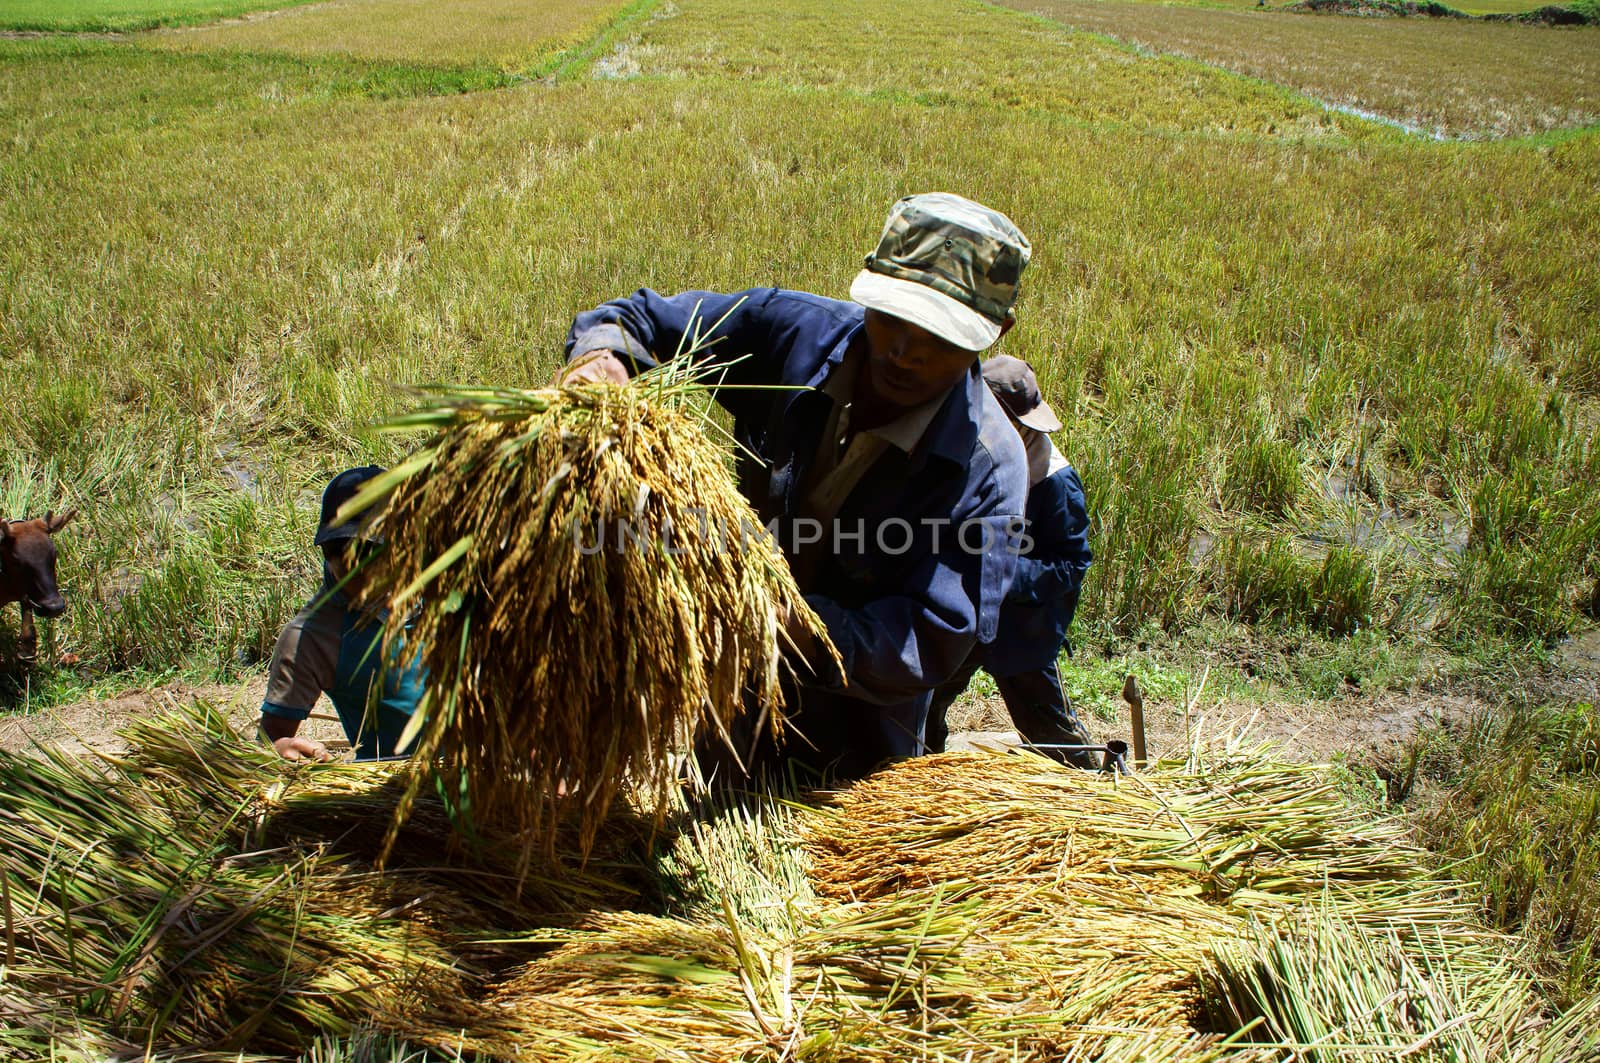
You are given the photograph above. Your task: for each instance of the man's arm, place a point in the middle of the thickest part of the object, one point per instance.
(898, 646)
(303, 663)
(617, 339)
(1055, 567)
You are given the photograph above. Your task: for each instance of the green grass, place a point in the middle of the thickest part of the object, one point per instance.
(1518, 814)
(80, 16)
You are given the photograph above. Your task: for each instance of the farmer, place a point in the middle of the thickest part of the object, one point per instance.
(333, 646)
(870, 446)
(1044, 595)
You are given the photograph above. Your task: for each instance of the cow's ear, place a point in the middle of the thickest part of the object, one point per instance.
(5, 529)
(54, 524)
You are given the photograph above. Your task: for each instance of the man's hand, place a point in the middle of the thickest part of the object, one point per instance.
(281, 733)
(593, 367)
(296, 749)
(797, 633)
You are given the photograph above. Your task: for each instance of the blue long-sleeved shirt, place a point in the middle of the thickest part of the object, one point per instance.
(907, 588)
(1044, 596)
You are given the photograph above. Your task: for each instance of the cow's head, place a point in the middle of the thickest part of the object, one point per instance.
(28, 561)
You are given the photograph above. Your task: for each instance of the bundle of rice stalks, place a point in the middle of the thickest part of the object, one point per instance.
(203, 773)
(911, 978)
(589, 591)
(120, 918)
(752, 964)
(1243, 833)
(1143, 882)
(1327, 989)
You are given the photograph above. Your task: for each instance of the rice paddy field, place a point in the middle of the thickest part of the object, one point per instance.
(118, 15)
(1427, 73)
(1316, 297)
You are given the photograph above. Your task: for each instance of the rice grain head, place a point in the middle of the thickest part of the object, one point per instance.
(588, 591)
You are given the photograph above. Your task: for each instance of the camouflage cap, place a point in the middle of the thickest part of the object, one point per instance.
(946, 264)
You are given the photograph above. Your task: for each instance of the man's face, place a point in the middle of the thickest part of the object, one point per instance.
(908, 365)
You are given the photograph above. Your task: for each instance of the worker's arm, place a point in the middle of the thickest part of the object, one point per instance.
(751, 330)
(303, 663)
(1059, 555)
(898, 646)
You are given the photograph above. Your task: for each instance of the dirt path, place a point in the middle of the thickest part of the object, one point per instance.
(1304, 730)
(1361, 726)
(92, 724)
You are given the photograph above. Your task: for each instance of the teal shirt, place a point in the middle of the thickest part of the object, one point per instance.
(333, 650)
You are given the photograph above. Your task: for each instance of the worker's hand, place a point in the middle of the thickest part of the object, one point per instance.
(297, 749)
(797, 636)
(594, 367)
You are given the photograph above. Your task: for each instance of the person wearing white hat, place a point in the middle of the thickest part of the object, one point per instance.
(889, 473)
(1023, 658)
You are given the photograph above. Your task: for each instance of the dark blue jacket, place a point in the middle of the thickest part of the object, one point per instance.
(906, 600)
(1044, 595)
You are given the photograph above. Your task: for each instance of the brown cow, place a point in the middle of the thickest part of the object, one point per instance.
(28, 573)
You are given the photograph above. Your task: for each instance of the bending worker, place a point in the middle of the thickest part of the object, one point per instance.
(889, 472)
(1043, 596)
(334, 646)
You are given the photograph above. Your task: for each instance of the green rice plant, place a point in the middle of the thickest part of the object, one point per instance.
(1141, 572)
(1343, 591)
(1525, 560)
(216, 603)
(1260, 580)
(1517, 816)
(590, 591)
(1263, 476)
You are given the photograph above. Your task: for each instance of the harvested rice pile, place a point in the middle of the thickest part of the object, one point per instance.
(199, 895)
(976, 906)
(587, 591)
